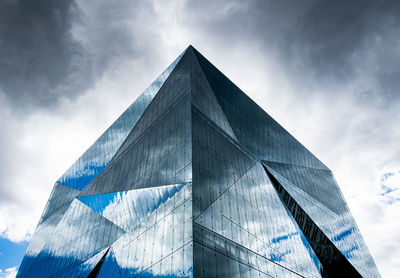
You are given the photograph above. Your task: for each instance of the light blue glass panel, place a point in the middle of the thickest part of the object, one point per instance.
(97, 157)
(128, 208)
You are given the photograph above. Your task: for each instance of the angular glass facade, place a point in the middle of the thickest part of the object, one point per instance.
(195, 179)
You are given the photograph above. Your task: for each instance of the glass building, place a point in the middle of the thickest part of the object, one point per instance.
(195, 179)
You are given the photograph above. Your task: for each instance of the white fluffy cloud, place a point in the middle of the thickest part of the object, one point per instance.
(8, 272)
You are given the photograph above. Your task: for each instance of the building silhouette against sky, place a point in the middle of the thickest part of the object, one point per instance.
(195, 179)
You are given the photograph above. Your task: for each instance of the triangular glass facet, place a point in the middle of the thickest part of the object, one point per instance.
(320, 184)
(204, 100)
(127, 209)
(254, 128)
(331, 231)
(109, 267)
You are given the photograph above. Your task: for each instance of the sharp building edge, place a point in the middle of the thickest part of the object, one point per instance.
(195, 179)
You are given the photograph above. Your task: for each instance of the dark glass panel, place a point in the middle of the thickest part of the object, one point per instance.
(254, 128)
(204, 100)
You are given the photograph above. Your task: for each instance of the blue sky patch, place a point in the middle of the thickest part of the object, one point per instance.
(11, 253)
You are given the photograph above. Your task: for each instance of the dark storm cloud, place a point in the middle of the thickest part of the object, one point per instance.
(317, 43)
(333, 38)
(43, 60)
(39, 57)
(52, 50)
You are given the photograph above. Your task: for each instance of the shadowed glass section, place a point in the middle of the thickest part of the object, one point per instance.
(128, 208)
(340, 230)
(255, 129)
(320, 184)
(218, 161)
(97, 157)
(204, 99)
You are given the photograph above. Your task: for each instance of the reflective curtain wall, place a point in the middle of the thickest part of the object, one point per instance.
(195, 180)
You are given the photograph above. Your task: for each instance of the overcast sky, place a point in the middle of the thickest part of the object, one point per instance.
(328, 71)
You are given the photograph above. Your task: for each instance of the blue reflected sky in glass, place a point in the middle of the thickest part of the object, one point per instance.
(97, 157)
(128, 208)
(154, 234)
(82, 270)
(109, 267)
(164, 234)
(38, 241)
(58, 203)
(218, 255)
(339, 228)
(74, 267)
(80, 233)
(11, 252)
(251, 214)
(313, 256)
